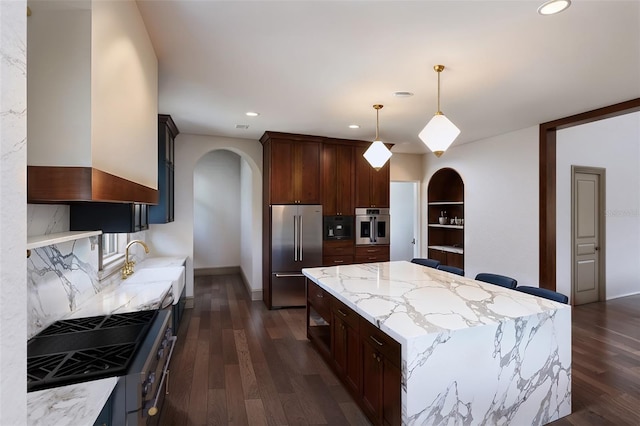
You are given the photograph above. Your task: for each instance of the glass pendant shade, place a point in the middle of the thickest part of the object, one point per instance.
(439, 134)
(377, 154)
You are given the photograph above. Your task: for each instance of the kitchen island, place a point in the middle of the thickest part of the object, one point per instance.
(470, 352)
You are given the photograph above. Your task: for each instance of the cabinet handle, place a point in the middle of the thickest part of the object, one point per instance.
(372, 258)
(338, 261)
(320, 295)
(377, 341)
(372, 251)
(342, 313)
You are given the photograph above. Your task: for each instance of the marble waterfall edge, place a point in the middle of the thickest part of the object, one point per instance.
(446, 383)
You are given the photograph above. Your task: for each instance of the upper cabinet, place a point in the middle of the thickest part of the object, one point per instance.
(92, 91)
(293, 166)
(372, 186)
(337, 179)
(163, 212)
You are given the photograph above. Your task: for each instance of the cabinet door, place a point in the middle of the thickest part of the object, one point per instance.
(282, 163)
(344, 181)
(329, 180)
(307, 173)
(380, 186)
(391, 397)
(371, 186)
(346, 353)
(372, 382)
(362, 178)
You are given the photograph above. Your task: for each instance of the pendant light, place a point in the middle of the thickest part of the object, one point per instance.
(377, 154)
(440, 132)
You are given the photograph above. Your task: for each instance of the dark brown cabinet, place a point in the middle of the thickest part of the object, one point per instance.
(345, 346)
(371, 185)
(294, 169)
(337, 179)
(368, 254)
(381, 376)
(446, 218)
(364, 358)
(337, 252)
(163, 212)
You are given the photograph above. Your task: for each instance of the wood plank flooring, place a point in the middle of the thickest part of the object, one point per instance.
(238, 363)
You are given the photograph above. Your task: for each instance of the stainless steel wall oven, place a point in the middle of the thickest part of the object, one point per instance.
(372, 226)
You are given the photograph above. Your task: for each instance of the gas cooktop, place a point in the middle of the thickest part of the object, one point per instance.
(82, 349)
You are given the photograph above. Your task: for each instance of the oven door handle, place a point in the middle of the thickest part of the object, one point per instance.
(153, 410)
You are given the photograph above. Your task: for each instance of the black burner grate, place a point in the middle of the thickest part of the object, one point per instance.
(82, 349)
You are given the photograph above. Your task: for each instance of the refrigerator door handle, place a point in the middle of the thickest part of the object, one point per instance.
(295, 238)
(300, 237)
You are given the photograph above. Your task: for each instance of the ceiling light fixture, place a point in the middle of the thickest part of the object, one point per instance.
(402, 94)
(440, 132)
(377, 154)
(552, 7)
(252, 114)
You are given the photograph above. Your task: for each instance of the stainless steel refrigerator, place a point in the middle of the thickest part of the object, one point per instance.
(296, 243)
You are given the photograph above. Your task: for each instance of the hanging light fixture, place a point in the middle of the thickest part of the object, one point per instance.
(377, 154)
(439, 133)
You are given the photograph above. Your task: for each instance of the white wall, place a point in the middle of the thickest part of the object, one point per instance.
(250, 202)
(613, 144)
(217, 210)
(500, 176)
(176, 238)
(13, 199)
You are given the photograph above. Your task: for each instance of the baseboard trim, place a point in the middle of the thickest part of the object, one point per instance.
(189, 302)
(253, 294)
(223, 270)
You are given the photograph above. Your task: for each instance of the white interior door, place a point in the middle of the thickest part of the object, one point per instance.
(586, 236)
(404, 220)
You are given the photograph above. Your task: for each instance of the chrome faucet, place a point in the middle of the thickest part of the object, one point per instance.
(127, 269)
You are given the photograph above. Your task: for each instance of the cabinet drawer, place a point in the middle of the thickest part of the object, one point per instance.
(346, 314)
(380, 341)
(320, 299)
(372, 251)
(337, 260)
(338, 248)
(371, 259)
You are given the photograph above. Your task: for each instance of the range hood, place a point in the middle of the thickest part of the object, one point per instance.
(60, 185)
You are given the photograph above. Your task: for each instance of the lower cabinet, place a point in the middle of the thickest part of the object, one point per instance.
(365, 359)
(368, 254)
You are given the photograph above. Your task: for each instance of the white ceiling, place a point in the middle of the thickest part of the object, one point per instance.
(314, 67)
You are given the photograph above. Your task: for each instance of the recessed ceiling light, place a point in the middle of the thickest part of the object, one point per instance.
(242, 126)
(252, 114)
(402, 94)
(552, 7)
(354, 126)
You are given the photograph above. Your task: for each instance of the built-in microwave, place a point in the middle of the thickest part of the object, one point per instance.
(372, 226)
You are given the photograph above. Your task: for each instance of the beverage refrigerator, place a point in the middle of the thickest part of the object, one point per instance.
(296, 243)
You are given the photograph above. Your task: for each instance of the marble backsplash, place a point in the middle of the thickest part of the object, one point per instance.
(60, 277)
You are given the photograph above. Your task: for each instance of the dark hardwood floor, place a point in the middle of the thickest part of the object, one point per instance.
(238, 363)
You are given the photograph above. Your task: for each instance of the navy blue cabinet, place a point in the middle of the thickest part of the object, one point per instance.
(167, 132)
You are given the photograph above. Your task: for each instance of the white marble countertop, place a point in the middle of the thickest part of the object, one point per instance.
(409, 301)
(72, 405)
(81, 403)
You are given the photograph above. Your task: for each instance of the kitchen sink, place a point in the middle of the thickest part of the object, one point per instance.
(175, 274)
